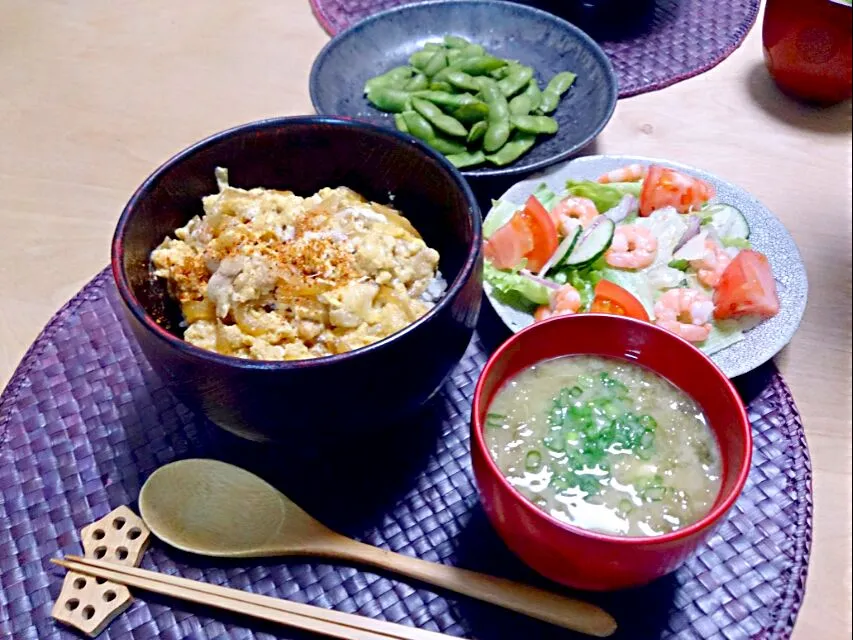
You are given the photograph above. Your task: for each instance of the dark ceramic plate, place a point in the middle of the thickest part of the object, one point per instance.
(507, 30)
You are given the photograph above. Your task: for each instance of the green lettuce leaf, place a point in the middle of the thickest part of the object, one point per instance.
(548, 198)
(513, 288)
(502, 211)
(605, 196)
(734, 241)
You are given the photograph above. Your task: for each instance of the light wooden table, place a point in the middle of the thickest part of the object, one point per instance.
(94, 95)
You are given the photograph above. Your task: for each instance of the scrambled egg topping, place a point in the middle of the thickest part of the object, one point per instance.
(268, 275)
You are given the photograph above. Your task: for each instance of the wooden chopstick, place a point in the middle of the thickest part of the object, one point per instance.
(335, 624)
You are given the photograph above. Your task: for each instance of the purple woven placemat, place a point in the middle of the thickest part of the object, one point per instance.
(670, 41)
(84, 421)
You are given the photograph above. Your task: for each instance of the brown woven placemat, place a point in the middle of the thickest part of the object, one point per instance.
(84, 421)
(651, 43)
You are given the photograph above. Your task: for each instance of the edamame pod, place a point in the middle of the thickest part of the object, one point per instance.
(518, 78)
(400, 121)
(561, 82)
(496, 136)
(520, 105)
(418, 126)
(462, 80)
(478, 130)
(395, 78)
(436, 63)
(446, 145)
(467, 158)
(440, 120)
(455, 42)
(444, 87)
(534, 93)
(418, 82)
(446, 99)
(499, 125)
(512, 150)
(471, 51)
(534, 124)
(420, 58)
(388, 99)
(479, 65)
(470, 113)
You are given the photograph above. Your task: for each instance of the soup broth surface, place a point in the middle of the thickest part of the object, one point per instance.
(606, 445)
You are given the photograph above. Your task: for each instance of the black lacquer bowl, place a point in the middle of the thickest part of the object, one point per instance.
(338, 396)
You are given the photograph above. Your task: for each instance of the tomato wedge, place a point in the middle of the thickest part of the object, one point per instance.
(530, 234)
(664, 187)
(613, 299)
(543, 231)
(746, 288)
(508, 245)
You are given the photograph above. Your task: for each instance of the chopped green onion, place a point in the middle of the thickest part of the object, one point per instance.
(533, 461)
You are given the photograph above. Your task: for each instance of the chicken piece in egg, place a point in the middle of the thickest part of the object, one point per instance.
(269, 275)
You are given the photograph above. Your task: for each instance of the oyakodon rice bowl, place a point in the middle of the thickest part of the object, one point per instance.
(334, 400)
(269, 275)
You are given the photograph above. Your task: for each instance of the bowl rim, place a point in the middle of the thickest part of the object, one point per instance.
(496, 172)
(145, 319)
(704, 523)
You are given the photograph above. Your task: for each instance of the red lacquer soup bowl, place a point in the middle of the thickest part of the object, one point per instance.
(573, 556)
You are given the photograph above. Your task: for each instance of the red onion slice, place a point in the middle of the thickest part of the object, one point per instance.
(622, 210)
(545, 283)
(693, 227)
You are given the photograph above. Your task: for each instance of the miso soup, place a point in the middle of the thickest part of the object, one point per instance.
(605, 445)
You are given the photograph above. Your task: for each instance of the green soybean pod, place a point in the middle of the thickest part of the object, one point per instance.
(480, 65)
(418, 82)
(400, 121)
(455, 42)
(512, 150)
(462, 80)
(549, 102)
(471, 113)
(418, 126)
(478, 130)
(446, 99)
(466, 158)
(438, 119)
(443, 87)
(433, 47)
(534, 124)
(534, 93)
(471, 51)
(420, 58)
(496, 101)
(500, 73)
(446, 145)
(436, 63)
(518, 78)
(388, 99)
(395, 78)
(496, 135)
(520, 105)
(561, 82)
(453, 55)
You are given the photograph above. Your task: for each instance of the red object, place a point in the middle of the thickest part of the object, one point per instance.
(807, 48)
(665, 187)
(612, 299)
(746, 288)
(508, 245)
(573, 556)
(530, 234)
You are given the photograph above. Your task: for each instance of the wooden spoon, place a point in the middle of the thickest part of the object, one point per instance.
(216, 509)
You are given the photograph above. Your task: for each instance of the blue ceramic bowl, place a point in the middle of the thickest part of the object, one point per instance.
(517, 32)
(339, 396)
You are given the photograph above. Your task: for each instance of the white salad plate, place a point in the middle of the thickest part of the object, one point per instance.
(767, 235)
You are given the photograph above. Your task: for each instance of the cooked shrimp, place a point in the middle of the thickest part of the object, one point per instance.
(712, 264)
(634, 247)
(564, 302)
(572, 211)
(685, 312)
(631, 173)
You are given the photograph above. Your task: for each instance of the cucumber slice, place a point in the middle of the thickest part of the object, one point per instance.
(728, 221)
(565, 248)
(593, 243)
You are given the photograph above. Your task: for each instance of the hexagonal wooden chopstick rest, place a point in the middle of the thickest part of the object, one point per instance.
(90, 604)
